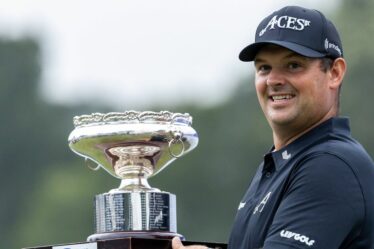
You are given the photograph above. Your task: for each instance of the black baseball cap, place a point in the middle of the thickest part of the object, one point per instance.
(305, 31)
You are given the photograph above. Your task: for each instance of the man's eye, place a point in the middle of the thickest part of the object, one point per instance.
(263, 68)
(293, 65)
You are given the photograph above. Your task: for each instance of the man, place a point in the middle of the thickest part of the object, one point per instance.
(315, 187)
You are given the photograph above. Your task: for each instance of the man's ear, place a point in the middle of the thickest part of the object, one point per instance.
(337, 72)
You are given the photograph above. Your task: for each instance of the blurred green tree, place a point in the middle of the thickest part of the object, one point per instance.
(33, 139)
(355, 20)
(28, 141)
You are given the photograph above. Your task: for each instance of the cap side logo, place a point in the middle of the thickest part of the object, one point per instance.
(285, 22)
(329, 45)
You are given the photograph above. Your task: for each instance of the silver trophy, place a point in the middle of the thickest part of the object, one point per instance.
(133, 146)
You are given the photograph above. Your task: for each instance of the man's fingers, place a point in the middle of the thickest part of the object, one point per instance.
(176, 243)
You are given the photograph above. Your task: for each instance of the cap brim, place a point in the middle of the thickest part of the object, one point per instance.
(249, 52)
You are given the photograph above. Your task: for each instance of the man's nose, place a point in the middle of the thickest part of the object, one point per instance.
(275, 78)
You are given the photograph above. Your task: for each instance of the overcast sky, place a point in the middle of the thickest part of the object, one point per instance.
(135, 53)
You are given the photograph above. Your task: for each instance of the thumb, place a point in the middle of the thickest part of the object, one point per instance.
(176, 243)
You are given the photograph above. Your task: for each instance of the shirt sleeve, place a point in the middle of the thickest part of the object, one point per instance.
(322, 206)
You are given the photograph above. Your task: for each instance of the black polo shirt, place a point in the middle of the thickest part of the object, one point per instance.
(317, 192)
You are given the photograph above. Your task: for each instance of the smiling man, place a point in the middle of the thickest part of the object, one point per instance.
(294, 93)
(315, 187)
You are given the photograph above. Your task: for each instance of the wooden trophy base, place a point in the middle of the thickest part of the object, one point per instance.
(129, 243)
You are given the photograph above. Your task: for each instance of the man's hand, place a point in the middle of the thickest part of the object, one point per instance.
(177, 244)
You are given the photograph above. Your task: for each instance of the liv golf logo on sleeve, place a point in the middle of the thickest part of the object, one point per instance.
(296, 236)
(285, 22)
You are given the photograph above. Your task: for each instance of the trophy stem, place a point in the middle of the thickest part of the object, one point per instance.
(135, 184)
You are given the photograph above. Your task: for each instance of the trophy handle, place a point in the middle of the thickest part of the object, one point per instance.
(176, 139)
(89, 164)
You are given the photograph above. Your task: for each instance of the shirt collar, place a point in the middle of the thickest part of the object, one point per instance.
(332, 127)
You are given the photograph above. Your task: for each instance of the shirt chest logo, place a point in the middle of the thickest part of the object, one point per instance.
(241, 205)
(285, 155)
(261, 205)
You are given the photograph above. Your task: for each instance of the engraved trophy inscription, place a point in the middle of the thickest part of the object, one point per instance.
(133, 146)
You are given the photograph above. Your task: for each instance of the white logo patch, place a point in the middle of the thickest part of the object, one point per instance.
(262, 204)
(285, 22)
(297, 236)
(285, 155)
(241, 205)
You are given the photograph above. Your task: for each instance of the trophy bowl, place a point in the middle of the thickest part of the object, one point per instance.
(133, 146)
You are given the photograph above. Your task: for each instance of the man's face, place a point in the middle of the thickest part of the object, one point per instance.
(293, 91)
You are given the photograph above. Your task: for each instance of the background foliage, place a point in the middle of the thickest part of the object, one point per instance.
(46, 191)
